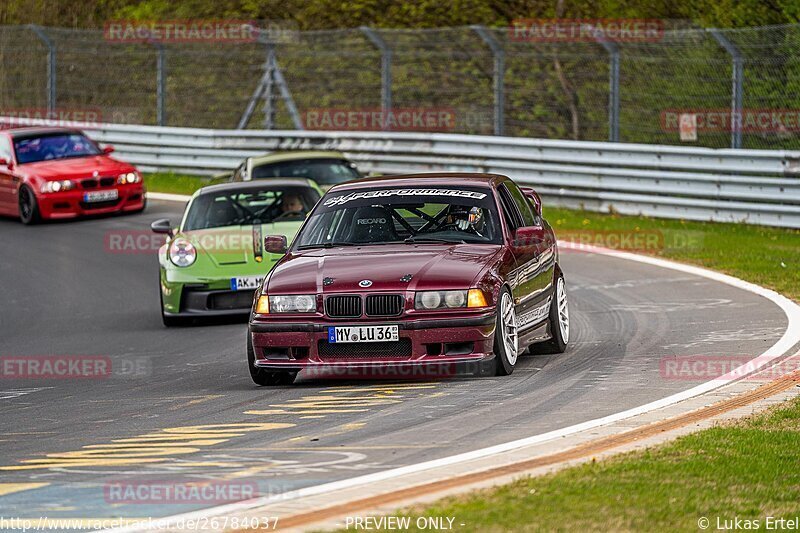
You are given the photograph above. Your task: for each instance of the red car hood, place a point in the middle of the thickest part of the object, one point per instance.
(438, 267)
(77, 167)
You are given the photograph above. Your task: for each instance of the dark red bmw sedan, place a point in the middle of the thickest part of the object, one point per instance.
(427, 269)
(55, 173)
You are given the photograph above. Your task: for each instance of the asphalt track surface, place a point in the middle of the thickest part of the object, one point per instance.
(62, 448)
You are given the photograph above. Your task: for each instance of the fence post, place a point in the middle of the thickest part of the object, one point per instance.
(498, 76)
(737, 86)
(269, 81)
(613, 88)
(51, 66)
(386, 72)
(161, 86)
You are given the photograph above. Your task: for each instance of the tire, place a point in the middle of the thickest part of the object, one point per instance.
(506, 341)
(559, 319)
(263, 377)
(28, 207)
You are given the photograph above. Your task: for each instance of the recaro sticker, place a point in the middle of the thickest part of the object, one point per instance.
(341, 200)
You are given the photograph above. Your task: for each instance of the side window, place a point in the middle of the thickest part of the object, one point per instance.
(512, 217)
(536, 217)
(528, 215)
(5, 148)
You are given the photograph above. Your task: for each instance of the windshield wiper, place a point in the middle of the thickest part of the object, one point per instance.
(327, 245)
(434, 240)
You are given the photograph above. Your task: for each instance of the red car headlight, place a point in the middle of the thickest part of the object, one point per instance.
(128, 178)
(57, 186)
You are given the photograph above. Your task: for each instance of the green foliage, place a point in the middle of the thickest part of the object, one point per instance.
(326, 14)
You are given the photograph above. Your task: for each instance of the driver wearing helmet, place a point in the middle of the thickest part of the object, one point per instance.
(467, 219)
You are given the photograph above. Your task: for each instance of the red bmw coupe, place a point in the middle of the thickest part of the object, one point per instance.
(54, 173)
(428, 269)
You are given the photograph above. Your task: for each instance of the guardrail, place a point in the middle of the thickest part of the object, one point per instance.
(752, 186)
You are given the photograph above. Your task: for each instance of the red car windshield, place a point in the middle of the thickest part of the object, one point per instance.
(411, 215)
(53, 146)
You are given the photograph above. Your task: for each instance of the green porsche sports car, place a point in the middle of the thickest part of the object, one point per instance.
(212, 264)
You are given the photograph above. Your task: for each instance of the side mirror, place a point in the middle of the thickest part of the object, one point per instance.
(6, 163)
(276, 244)
(534, 197)
(163, 226)
(107, 149)
(529, 236)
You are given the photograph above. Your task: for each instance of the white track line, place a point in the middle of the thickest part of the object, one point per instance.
(789, 339)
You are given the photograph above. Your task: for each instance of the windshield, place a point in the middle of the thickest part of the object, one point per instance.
(323, 171)
(391, 215)
(248, 207)
(53, 146)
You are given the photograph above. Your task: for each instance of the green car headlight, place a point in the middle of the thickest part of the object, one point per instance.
(299, 303)
(182, 253)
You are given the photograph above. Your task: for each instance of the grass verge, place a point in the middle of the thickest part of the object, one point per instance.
(747, 469)
(174, 183)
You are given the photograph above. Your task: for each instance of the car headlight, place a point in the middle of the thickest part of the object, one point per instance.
(182, 253)
(296, 303)
(428, 300)
(57, 186)
(440, 299)
(128, 177)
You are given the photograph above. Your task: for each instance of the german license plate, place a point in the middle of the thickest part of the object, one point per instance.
(101, 196)
(363, 334)
(246, 283)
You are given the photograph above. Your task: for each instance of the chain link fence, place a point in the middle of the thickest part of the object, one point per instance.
(715, 88)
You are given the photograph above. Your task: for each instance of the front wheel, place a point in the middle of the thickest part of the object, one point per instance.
(559, 319)
(28, 207)
(506, 341)
(263, 377)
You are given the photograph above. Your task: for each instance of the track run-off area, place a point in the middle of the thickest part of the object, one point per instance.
(178, 408)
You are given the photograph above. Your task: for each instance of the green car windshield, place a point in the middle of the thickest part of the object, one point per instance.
(249, 207)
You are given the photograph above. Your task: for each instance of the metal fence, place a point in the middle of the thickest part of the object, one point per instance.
(490, 82)
(752, 186)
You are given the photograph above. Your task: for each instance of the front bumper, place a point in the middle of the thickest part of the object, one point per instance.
(70, 204)
(205, 299)
(291, 346)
